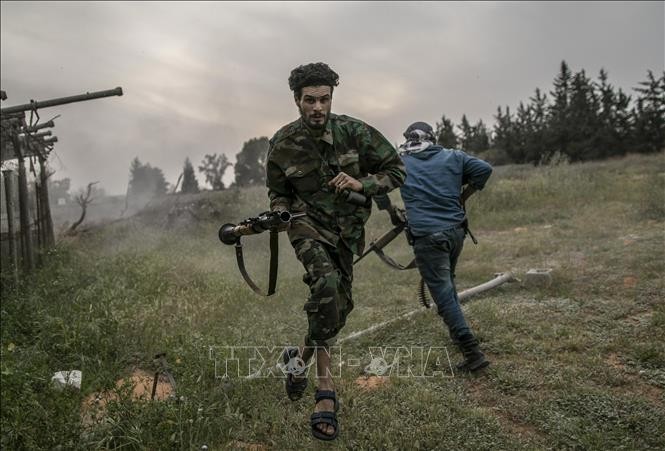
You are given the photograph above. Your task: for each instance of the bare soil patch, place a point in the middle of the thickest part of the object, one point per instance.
(371, 382)
(141, 382)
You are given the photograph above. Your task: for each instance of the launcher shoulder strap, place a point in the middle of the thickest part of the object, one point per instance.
(274, 259)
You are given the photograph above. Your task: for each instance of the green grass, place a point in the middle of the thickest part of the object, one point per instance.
(580, 364)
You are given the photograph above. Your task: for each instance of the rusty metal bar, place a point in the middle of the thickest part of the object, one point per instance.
(35, 105)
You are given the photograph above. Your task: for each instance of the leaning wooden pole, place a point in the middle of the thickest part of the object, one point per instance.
(38, 222)
(24, 218)
(9, 201)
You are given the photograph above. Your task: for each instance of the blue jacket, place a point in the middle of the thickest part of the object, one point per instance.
(433, 186)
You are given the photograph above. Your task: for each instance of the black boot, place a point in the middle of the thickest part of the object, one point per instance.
(474, 360)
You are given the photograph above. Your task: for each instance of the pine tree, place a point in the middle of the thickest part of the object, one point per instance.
(467, 133)
(137, 177)
(189, 182)
(504, 139)
(480, 139)
(445, 133)
(536, 147)
(522, 129)
(559, 112)
(584, 115)
(623, 122)
(649, 115)
(158, 180)
(145, 181)
(613, 133)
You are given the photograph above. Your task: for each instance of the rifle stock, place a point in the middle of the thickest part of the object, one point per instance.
(382, 241)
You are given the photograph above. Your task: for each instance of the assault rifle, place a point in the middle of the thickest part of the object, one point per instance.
(400, 223)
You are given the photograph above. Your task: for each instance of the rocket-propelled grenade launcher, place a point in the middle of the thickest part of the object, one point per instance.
(275, 222)
(269, 220)
(230, 233)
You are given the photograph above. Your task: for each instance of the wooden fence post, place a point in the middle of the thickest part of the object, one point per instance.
(38, 222)
(9, 201)
(49, 234)
(26, 236)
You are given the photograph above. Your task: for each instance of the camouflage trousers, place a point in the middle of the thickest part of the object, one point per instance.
(329, 273)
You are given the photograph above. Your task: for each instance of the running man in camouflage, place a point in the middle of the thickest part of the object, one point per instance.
(312, 165)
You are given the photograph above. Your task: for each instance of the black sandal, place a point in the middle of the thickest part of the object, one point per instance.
(294, 389)
(329, 418)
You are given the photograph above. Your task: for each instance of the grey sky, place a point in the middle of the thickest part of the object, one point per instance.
(205, 77)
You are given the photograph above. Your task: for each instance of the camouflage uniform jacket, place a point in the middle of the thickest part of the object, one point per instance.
(300, 165)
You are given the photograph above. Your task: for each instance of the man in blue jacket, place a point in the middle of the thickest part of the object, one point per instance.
(438, 182)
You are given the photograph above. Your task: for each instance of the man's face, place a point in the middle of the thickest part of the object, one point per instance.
(314, 105)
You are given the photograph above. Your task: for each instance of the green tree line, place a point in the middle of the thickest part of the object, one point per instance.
(579, 119)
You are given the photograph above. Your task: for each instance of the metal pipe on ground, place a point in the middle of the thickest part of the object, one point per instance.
(500, 279)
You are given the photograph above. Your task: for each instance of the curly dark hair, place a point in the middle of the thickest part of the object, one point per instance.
(313, 74)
